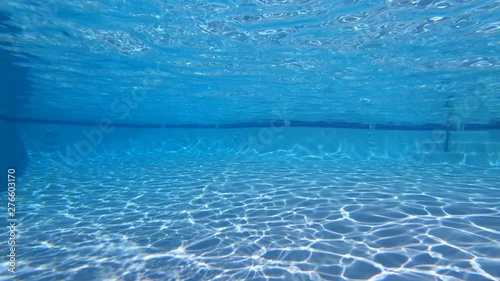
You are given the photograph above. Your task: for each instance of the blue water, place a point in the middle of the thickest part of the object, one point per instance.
(251, 140)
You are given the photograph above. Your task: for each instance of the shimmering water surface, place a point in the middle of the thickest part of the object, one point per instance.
(199, 61)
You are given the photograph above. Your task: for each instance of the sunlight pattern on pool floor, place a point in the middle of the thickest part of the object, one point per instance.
(132, 218)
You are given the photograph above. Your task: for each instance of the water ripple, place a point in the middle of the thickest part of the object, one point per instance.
(334, 54)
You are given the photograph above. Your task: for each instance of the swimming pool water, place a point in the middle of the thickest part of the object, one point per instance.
(251, 140)
(210, 219)
(188, 209)
(219, 62)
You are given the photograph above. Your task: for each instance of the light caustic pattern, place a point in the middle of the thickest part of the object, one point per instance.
(216, 219)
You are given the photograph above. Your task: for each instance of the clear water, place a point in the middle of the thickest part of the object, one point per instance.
(251, 140)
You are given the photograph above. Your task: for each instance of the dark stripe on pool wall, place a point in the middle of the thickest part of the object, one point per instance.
(189, 126)
(267, 124)
(48, 121)
(331, 124)
(481, 127)
(272, 123)
(410, 127)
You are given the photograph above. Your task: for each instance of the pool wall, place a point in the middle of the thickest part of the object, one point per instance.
(76, 143)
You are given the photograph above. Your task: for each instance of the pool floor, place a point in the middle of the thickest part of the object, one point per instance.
(143, 217)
